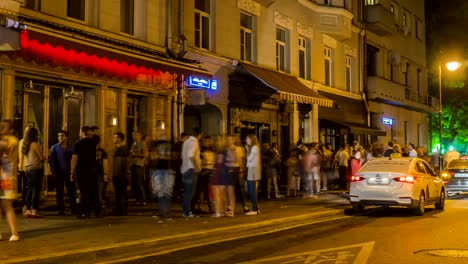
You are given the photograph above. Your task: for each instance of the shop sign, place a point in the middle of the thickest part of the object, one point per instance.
(387, 121)
(202, 83)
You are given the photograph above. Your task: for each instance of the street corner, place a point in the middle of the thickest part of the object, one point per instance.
(352, 254)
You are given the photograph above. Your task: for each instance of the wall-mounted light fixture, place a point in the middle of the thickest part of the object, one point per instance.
(112, 121)
(161, 124)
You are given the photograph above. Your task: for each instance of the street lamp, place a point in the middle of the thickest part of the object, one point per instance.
(451, 66)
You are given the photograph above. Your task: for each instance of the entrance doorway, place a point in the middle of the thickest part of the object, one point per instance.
(207, 117)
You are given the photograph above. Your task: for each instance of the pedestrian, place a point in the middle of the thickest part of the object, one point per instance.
(342, 158)
(191, 166)
(310, 163)
(326, 166)
(138, 155)
(9, 160)
(34, 168)
(388, 149)
(22, 179)
(176, 164)
(119, 174)
(357, 159)
(102, 168)
(412, 151)
(202, 192)
(253, 171)
(60, 162)
(236, 167)
(221, 180)
(83, 169)
(292, 174)
(162, 176)
(272, 164)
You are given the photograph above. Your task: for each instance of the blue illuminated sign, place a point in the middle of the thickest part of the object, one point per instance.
(198, 82)
(202, 83)
(214, 85)
(387, 121)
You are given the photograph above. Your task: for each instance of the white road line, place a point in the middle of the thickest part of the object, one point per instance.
(151, 240)
(222, 240)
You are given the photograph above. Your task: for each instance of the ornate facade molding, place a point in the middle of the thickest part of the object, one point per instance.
(350, 51)
(329, 41)
(329, 20)
(282, 20)
(249, 6)
(305, 30)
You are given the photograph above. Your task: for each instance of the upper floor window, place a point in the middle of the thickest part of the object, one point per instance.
(372, 2)
(246, 37)
(32, 4)
(282, 49)
(349, 73)
(406, 74)
(328, 54)
(304, 58)
(372, 60)
(405, 20)
(127, 12)
(419, 81)
(76, 9)
(202, 24)
(392, 9)
(419, 29)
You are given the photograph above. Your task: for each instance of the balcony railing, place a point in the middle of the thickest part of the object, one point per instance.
(398, 94)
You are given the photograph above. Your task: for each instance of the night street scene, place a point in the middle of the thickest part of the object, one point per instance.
(234, 131)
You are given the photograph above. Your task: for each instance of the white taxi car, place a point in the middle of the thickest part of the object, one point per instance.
(396, 181)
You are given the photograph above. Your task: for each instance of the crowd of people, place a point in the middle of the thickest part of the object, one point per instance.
(203, 171)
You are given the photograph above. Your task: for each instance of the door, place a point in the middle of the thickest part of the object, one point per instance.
(133, 117)
(73, 117)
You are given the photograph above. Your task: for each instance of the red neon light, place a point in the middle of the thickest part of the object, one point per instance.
(70, 57)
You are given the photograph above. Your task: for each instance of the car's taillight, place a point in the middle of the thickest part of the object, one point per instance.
(407, 179)
(356, 178)
(447, 174)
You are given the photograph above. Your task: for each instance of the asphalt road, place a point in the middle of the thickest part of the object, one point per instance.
(380, 236)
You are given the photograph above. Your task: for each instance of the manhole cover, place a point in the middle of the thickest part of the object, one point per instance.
(450, 253)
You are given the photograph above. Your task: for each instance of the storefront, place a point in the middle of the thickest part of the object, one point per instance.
(275, 107)
(346, 122)
(55, 82)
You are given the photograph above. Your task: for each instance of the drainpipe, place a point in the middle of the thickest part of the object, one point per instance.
(168, 23)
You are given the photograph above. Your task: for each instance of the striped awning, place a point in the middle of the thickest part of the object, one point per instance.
(288, 86)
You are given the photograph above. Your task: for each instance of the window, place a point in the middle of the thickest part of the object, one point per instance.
(328, 53)
(349, 73)
(76, 9)
(419, 29)
(372, 2)
(405, 20)
(419, 81)
(127, 11)
(281, 50)
(32, 4)
(372, 56)
(304, 58)
(246, 36)
(202, 24)
(406, 71)
(392, 9)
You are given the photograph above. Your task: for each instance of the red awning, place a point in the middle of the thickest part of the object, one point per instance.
(115, 63)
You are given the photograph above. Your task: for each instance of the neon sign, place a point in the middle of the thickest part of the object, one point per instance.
(202, 83)
(387, 121)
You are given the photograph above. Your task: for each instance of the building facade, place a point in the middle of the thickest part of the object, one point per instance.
(396, 73)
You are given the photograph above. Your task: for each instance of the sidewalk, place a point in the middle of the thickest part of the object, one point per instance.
(52, 235)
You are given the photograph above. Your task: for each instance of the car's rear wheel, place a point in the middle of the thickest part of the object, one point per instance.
(419, 210)
(440, 205)
(358, 209)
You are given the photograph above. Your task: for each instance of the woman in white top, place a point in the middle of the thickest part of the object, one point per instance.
(253, 171)
(33, 165)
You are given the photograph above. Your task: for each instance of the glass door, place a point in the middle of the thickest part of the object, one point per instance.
(73, 117)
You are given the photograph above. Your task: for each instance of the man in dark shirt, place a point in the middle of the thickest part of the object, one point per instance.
(389, 150)
(119, 174)
(83, 168)
(60, 159)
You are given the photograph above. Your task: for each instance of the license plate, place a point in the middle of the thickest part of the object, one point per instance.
(378, 181)
(461, 174)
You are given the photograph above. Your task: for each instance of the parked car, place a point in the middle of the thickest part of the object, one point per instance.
(455, 177)
(397, 181)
